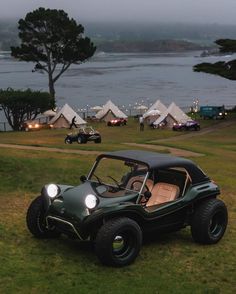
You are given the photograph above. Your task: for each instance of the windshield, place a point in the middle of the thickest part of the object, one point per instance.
(114, 177)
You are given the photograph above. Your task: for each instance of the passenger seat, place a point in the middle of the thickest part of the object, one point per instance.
(163, 192)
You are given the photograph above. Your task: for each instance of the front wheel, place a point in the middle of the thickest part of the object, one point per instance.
(209, 221)
(118, 242)
(67, 140)
(35, 220)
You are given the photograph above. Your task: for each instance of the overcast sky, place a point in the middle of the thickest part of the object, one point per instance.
(196, 11)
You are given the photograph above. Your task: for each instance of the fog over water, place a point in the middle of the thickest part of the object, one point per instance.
(201, 11)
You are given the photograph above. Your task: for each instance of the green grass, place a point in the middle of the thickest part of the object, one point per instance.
(112, 137)
(170, 263)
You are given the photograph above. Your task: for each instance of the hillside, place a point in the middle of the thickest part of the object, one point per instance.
(138, 37)
(148, 46)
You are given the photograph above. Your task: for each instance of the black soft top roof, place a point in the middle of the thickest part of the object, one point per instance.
(155, 160)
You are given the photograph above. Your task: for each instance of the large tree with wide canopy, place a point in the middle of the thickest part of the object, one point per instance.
(53, 41)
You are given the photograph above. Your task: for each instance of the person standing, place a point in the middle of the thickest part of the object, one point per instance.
(141, 123)
(73, 123)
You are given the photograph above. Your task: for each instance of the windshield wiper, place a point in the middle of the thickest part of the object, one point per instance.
(116, 182)
(99, 180)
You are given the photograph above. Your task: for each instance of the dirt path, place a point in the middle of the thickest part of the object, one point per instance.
(205, 131)
(182, 152)
(173, 151)
(49, 149)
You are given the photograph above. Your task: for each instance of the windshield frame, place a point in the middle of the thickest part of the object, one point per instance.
(96, 163)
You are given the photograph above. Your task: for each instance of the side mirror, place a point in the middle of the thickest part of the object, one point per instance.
(83, 178)
(147, 194)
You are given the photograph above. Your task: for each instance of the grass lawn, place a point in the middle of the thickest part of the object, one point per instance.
(170, 263)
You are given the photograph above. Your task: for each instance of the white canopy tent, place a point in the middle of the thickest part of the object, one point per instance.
(158, 105)
(173, 114)
(151, 113)
(96, 108)
(64, 117)
(110, 111)
(154, 112)
(49, 113)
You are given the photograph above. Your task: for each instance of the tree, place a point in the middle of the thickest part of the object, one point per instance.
(224, 69)
(20, 106)
(53, 42)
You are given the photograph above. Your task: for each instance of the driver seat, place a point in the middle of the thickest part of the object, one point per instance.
(163, 192)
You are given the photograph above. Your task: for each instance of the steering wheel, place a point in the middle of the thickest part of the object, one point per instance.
(137, 184)
(143, 199)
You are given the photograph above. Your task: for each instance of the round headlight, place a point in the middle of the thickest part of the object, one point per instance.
(52, 190)
(91, 201)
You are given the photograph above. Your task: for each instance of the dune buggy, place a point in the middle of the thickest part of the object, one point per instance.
(83, 135)
(125, 195)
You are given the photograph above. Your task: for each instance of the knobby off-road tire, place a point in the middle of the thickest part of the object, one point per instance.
(97, 141)
(81, 140)
(118, 242)
(67, 141)
(209, 221)
(36, 221)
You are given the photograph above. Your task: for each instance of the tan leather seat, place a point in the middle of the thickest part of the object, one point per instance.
(163, 192)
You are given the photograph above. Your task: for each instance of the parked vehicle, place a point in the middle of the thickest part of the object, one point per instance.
(190, 125)
(213, 112)
(33, 125)
(117, 122)
(126, 195)
(83, 135)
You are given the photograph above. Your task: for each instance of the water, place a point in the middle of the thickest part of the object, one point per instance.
(127, 79)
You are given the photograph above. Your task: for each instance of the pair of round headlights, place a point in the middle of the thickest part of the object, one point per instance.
(90, 200)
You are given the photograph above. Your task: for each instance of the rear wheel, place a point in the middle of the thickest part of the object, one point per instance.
(118, 242)
(35, 220)
(209, 221)
(99, 140)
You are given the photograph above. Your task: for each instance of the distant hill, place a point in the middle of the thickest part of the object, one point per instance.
(139, 37)
(204, 34)
(148, 46)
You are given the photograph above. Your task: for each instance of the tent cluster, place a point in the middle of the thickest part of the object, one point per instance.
(158, 115)
(63, 118)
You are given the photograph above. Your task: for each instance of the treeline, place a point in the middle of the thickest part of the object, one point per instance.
(197, 33)
(159, 46)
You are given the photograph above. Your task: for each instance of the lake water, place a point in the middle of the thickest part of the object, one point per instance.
(128, 80)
